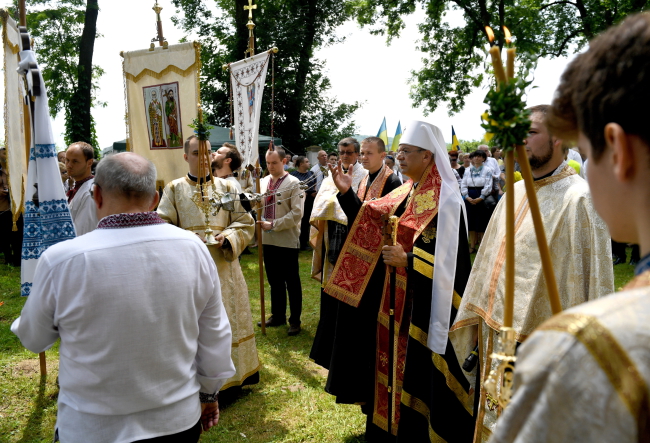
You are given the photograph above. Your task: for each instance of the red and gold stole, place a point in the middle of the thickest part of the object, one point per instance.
(376, 187)
(356, 263)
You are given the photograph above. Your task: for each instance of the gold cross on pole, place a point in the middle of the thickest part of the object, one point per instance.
(250, 8)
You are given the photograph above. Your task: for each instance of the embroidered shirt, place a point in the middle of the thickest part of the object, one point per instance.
(72, 192)
(130, 220)
(269, 204)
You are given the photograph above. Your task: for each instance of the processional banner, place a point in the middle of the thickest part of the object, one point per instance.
(247, 78)
(162, 94)
(14, 115)
(47, 215)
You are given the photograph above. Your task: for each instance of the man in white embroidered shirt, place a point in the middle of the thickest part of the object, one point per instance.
(139, 344)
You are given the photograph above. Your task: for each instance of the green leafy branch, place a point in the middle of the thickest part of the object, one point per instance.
(201, 129)
(507, 122)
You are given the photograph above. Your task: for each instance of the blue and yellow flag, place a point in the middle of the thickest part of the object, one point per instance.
(454, 140)
(398, 136)
(383, 132)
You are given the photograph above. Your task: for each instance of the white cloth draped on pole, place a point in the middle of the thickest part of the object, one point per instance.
(247, 78)
(14, 115)
(47, 216)
(162, 94)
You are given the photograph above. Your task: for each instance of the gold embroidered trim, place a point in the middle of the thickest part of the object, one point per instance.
(456, 300)
(423, 267)
(418, 334)
(236, 344)
(161, 74)
(424, 254)
(241, 380)
(419, 406)
(610, 356)
(453, 384)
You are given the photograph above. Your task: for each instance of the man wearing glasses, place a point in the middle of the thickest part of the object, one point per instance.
(430, 232)
(379, 181)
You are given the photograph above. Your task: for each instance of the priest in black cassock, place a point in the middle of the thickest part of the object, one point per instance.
(379, 181)
(430, 399)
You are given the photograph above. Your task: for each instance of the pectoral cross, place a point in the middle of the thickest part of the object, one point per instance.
(250, 8)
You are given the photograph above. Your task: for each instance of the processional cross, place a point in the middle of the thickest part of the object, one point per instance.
(250, 8)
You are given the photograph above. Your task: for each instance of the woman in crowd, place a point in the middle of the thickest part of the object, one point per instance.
(453, 159)
(476, 187)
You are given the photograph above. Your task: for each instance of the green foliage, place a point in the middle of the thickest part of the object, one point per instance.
(506, 121)
(304, 115)
(467, 145)
(56, 27)
(454, 62)
(201, 129)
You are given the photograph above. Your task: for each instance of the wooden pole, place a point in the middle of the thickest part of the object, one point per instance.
(547, 264)
(22, 14)
(260, 249)
(23, 22)
(510, 240)
(41, 358)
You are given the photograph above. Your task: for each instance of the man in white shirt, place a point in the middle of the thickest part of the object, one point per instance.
(79, 162)
(318, 169)
(141, 342)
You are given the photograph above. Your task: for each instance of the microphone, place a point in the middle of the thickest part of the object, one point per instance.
(471, 360)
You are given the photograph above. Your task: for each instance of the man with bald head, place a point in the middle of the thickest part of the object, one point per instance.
(79, 162)
(146, 347)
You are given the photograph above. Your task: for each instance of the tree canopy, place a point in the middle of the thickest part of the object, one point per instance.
(453, 55)
(304, 114)
(64, 32)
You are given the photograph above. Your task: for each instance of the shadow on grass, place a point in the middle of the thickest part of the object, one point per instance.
(355, 439)
(34, 425)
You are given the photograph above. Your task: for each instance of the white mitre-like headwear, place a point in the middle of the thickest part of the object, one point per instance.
(416, 134)
(427, 136)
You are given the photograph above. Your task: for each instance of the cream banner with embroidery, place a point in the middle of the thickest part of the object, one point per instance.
(162, 94)
(14, 115)
(247, 79)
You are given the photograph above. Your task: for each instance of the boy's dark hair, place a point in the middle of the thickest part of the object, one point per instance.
(478, 153)
(300, 160)
(609, 83)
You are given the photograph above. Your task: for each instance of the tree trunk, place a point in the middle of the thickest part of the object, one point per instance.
(81, 120)
(241, 31)
(292, 126)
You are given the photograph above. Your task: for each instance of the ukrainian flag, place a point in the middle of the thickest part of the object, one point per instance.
(398, 136)
(383, 132)
(454, 140)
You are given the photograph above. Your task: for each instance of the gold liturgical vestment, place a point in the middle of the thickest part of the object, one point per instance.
(581, 253)
(177, 208)
(584, 374)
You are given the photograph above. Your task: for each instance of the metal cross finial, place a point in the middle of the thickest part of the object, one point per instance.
(250, 8)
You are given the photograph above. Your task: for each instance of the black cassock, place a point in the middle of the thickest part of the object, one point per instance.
(436, 402)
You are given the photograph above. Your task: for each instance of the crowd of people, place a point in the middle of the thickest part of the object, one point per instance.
(172, 312)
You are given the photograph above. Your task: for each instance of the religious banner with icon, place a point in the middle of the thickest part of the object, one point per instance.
(161, 86)
(247, 81)
(14, 140)
(163, 116)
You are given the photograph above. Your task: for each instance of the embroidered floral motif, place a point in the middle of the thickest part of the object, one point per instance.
(42, 151)
(425, 201)
(130, 220)
(428, 234)
(25, 289)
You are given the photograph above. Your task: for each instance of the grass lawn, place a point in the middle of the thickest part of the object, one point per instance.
(288, 405)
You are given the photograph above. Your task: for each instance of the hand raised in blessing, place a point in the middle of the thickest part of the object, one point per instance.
(342, 180)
